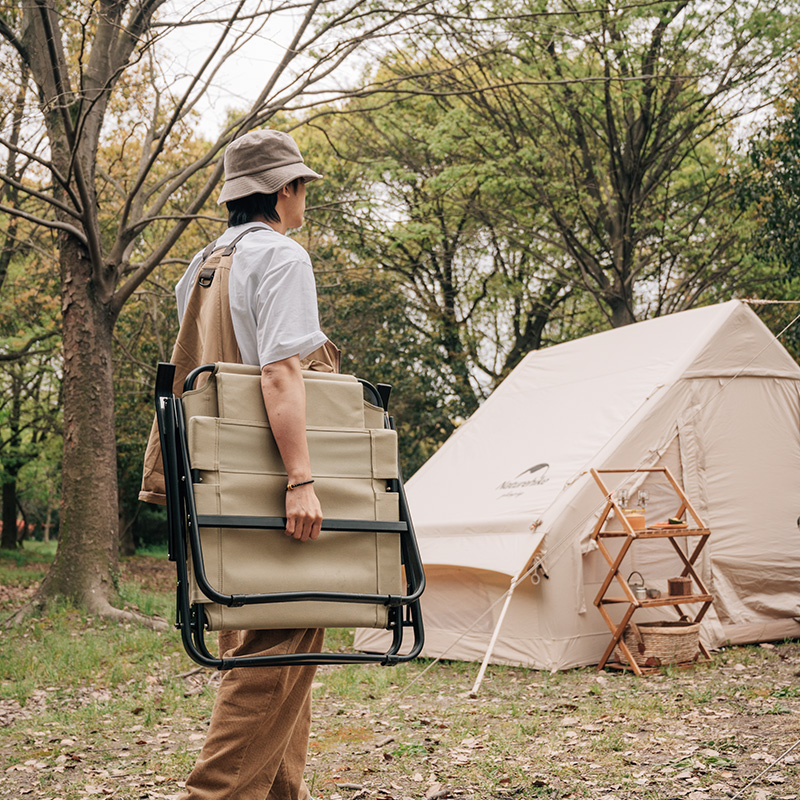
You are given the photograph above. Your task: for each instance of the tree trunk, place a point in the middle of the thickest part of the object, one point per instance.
(85, 567)
(621, 313)
(23, 529)
(9, 539)
(12, 466)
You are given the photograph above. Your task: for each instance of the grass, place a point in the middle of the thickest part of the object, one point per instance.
(67, 650)
(90, 709)
(27, 565)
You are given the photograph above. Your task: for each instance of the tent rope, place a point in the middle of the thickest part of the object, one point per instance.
(756, 302)
(778, 335)
(514, 583)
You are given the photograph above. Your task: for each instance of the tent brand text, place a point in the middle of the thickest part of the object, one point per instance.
(535, 476)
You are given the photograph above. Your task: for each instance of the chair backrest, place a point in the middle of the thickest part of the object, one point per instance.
(237, 470)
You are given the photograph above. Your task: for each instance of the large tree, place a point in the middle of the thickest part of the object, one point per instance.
(617, 117)
(95, 69)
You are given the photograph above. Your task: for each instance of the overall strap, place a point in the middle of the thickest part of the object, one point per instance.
(206, 275)
(206, 335)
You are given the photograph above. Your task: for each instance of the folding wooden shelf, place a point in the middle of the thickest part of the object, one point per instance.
(700, 596)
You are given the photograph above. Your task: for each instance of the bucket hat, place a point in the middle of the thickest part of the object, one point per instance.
(261, 162)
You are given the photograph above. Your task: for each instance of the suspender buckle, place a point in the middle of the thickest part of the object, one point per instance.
(206, 277)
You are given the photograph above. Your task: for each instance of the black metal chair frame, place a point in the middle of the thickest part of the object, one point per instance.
(184, 525)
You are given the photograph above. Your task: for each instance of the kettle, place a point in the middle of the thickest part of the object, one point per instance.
(637, 585)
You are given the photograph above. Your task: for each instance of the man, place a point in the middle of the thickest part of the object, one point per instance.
(260, 307)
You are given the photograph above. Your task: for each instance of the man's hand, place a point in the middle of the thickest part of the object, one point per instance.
(303, 513)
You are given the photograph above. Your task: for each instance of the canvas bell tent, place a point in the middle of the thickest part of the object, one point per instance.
(709, 393)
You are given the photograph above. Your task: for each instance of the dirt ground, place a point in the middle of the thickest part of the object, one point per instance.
(726, 730)
(152, 574)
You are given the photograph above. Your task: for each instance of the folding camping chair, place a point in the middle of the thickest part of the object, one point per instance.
(225, 488)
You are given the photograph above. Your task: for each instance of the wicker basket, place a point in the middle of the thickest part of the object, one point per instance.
(655, 644)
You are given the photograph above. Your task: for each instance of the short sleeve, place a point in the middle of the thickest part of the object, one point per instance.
(286, 313)
(183, 288)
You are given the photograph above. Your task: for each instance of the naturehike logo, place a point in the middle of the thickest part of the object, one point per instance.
(533, 476)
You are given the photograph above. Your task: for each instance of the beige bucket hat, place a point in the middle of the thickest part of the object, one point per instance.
(262, 162)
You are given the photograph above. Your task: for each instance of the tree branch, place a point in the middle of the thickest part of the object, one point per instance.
(25, 350)
(6, 178)
(47, 223)
(8, 34)
(147, 266)
(161, 141)
(90, 237)
(145, 221)
(49, 166)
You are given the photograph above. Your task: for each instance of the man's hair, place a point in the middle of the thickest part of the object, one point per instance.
(243, 209)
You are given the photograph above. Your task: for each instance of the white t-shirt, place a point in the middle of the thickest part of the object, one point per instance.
(273, 296)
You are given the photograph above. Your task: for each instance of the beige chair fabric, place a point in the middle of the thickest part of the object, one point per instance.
(241, 473)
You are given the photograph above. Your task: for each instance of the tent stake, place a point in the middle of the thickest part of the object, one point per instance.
(495, 634)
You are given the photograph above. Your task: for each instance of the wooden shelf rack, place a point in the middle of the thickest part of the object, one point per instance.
(700, 596)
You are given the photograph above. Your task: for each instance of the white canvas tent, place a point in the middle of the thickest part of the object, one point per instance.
(709, 393)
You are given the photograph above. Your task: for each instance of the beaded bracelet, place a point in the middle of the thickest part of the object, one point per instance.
(291, 486)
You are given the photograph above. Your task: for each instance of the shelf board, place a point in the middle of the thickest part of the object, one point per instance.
(698, 662)
(675, 600)
(658, 533)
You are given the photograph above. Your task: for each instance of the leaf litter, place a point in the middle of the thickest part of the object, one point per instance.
(701, 734)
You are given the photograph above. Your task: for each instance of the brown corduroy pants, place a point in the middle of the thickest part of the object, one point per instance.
(258, 737)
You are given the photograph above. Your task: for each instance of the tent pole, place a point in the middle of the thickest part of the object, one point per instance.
(495, 634)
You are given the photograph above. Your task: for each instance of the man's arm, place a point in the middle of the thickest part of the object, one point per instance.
(285, 401)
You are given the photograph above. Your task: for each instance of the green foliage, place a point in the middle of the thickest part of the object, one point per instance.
(609, 130)
(30, 382)
(30, 553)
(767, 186)
(772, 186)
(365, 308)
(425, 289)
(26, 565)
(523, 195)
